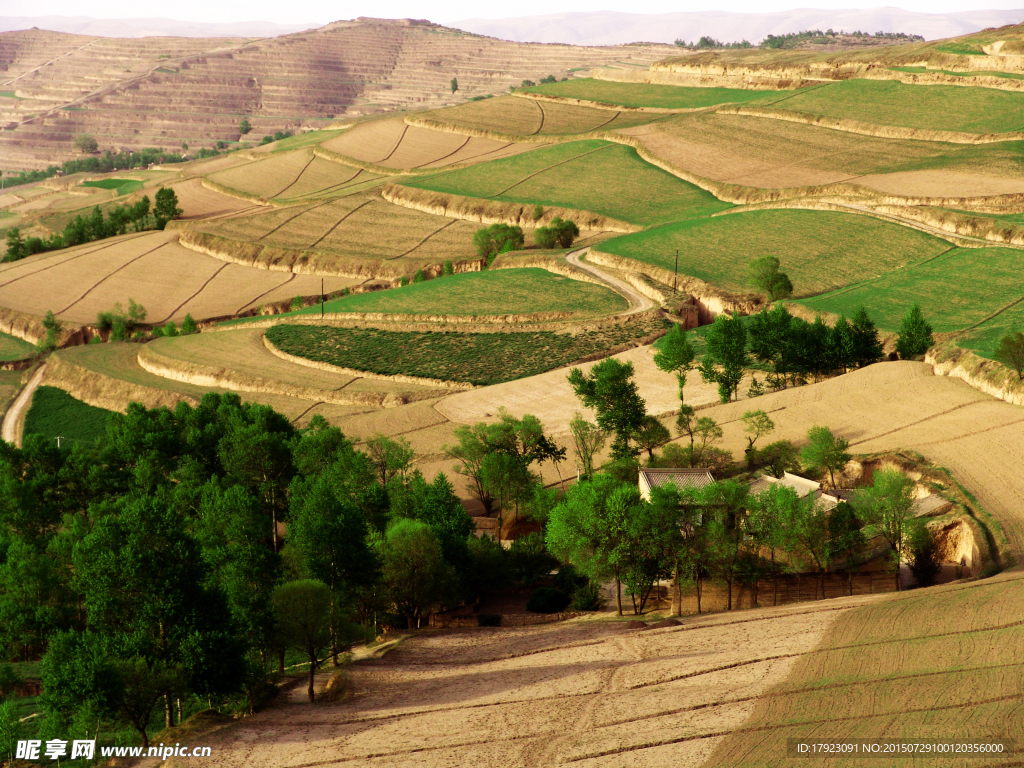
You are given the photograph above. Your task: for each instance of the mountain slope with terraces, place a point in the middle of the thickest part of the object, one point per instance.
(134, 93)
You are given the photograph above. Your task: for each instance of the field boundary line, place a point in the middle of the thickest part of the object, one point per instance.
(542, 116)
(291, 276)
(292, 218)
(548, 168)
(401, 137)
(295, 181)
(424, 240)
(199, 290)
(106, 277)
(870, 280)
(918, 422)
(445, 157)
(607, 106)
(336, 224)
(134, 236)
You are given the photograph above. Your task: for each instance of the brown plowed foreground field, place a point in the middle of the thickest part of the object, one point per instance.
(152, 269)
(394, 144)
(773, 154)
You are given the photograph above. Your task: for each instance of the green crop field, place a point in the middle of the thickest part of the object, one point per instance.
(123, 186)
(986, 280)
(597, 176)
(476, 358)
(982, 73)
(645, 95)
(936, 107)
(54, 413)
(820, 250)
(498, 292)
(13, 348)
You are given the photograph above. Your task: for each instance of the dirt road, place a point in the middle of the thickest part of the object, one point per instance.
(638, 302)
(14, 418)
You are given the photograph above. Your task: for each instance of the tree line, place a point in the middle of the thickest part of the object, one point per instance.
(502, 238)
(105, 163)
(96, 226)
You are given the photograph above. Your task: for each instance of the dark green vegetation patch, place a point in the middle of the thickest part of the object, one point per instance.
(646, 95)
(475, 358)
(55, 413)
(123, 186)
(13, 348)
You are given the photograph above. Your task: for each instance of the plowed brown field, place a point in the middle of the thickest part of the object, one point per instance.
(152, 269)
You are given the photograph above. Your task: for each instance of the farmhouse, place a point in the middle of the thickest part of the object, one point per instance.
(801, 485)
(680, 478)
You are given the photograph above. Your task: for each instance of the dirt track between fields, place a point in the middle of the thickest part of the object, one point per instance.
(14, 419)
(638, 302)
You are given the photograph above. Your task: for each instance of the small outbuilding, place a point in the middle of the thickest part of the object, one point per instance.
(680, 478)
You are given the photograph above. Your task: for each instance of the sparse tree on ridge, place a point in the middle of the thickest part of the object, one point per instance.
(766, 276)
(166, 207)
(725, 357)
(676, 356)
(826, 452)
(454, 84)
(756, 424)
(610, 390)
(1010, 353)
(244, 127)
(588, 439)
(915, 334)
(85, 143)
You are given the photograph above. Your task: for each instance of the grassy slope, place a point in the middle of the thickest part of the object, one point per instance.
(941, 663)
(819, 250)
(477, 358)
(983, 73)
(938, 107)
(56, 413)
(987, 279)
(506, 291)
(643, 95)
(13, 348)
(590, 175)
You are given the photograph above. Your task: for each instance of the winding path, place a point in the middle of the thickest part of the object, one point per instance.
(12, 418)
(640, 302)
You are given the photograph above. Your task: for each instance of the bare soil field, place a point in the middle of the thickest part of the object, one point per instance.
(151, 268)
(774, 154)
(508, 115)
(394, 144)
(269, 177)
(199, 202)
(363, 228)
(590, 692)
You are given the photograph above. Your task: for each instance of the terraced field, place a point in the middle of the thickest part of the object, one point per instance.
(503, 292)
(772, 154)
(154, 270)
(56, 414)
(648, 95)
(394, 144)
(820, 250)
(934, 107)
(988, 280)
(596, 176)
(507, 115)
(361, 229)
(13, 348)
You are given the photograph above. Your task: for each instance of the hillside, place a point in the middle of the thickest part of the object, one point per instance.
(161, 92)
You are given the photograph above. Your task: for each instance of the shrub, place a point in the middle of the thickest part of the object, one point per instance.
(297, 302)
(488, 619)
(498, 238)
(529, 560)
(560, 233)
(925, 562)
(448, 269)
(189, 326)
(588, 597)
(538, 212)
(568, 579)
(171, 329)
(547, 600)
(419, 277)
(85, 144)
(244, 127)
(266, 140)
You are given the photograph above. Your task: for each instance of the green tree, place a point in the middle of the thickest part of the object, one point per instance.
(472, 448)
(756, 424)
(826, 452)
(15, 245)
(845, 539)
(867, 347)
(610, 390)
(588, 440)
(166, 207)
(10, 729)
(415, 574)
(725, 357)
(915, 334)
(676, 356)
(766, 277)
(841, 346)
(53, 328)
(498, 238)
(390, 457)
(85, 143)
(454, 84)
(303, 611)
(767, 512)
(771, 341)
(780, 457)
(925, 560)
(651, 434)
(888, 506)
(1010, 353)
(558, 234)
(189, 326)
(244, 127)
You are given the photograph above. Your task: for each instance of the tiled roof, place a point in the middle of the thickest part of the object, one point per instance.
(801, 485)
(680, 478)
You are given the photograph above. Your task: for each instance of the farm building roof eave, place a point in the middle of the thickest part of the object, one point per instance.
(681, 478)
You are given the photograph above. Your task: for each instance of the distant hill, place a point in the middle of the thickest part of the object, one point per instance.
(85, 25)
(611, 28)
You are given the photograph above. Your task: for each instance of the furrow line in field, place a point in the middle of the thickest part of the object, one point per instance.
(76, 256)
(314, 405)
(337, 223)
(445, 157)
(296, 179)
(292, 218)
(542, 116)
(291, 276)
(711, 670)
(969, 434)
(548, 168)
(398, 143)
(918, 422)
(606, 122)
(197, 292)
(106, 277)
(862, 283)
(424, 240)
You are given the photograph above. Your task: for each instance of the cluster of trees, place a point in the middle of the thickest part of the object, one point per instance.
(558, 234)
(502, 238)
(104, 163)
(278, 135)
(707, 43)
(793, 39)
(723, 532)
(189, 554)
(97, 226)
(543, 81)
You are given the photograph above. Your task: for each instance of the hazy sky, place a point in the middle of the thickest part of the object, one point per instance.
(321, 11)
